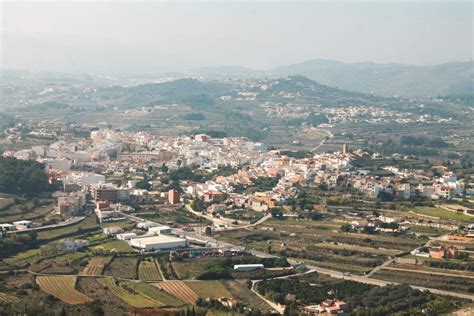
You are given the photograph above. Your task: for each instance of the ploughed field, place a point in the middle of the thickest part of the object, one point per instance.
(148, 270)
(139, 294)
(7, 298)
(95, 266)
(179, 289)
(63, 288)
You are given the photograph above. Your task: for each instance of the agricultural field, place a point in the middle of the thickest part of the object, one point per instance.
(155, 293)
(125, 224)
(323, 244)
(131, 297)
(205, 289)
(82, 229)
(178, 289)
(190, 268)
(165, 215)
(443, 214)
(148, 270)
(430, 231)
(7, 298)
(24, 257)
(442, 282)
(96, 265)
(62, 287)
(62, 263)
(423, 268)
(122, 267)
(15, 209)
(166, 268)
(240, 290)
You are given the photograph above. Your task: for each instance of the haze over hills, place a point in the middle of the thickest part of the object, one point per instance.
(380, 79)
(367, 77)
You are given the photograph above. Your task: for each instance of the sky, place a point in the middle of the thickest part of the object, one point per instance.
(157, 36)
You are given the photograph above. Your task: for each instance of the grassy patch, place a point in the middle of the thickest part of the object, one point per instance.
(85, 226)
(122, 267)
(205, 289)
(148, 270)
(155, 293)
(133, 299)
(443, 214)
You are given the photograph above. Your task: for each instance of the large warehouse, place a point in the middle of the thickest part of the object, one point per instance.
(158, 242)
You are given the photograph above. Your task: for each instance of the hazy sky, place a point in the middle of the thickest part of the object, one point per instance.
(150, 36)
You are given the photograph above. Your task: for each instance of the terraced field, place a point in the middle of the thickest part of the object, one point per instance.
(7, 298)
(323, 243)
(205, 289)
(155, 293)
(148, 271)
(63, 288)
(458, 284)
(134, 299)
(96, 266)
(178, 289)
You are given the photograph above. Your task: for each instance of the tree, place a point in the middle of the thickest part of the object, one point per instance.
(143, 184)
(22, 176)
(316, 216)
(197, 204)
(346, 228)
(368, 229)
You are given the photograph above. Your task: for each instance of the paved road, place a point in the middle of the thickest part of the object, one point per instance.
(67, 222)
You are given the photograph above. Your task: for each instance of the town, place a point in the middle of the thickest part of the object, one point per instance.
(225, 223)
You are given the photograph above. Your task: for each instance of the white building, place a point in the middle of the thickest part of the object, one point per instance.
(23, 224)
(248, 267)
(158, 242)
(160, 230)
(126, 236)
(147, 225)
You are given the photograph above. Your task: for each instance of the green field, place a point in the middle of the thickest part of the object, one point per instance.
(155, 293)
(88, 223)
(443, 214)
(206, 289)
(138, 300)
(148, 270)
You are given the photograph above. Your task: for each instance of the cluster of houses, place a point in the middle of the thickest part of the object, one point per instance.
(444, 187)
(436, 252)
(119, 152)
(381, 223)
(327, 307)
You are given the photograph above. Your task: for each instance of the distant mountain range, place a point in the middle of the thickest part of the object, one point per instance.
(379, 79)
(403, 80)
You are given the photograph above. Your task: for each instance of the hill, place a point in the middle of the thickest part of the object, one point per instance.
(379, 79)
